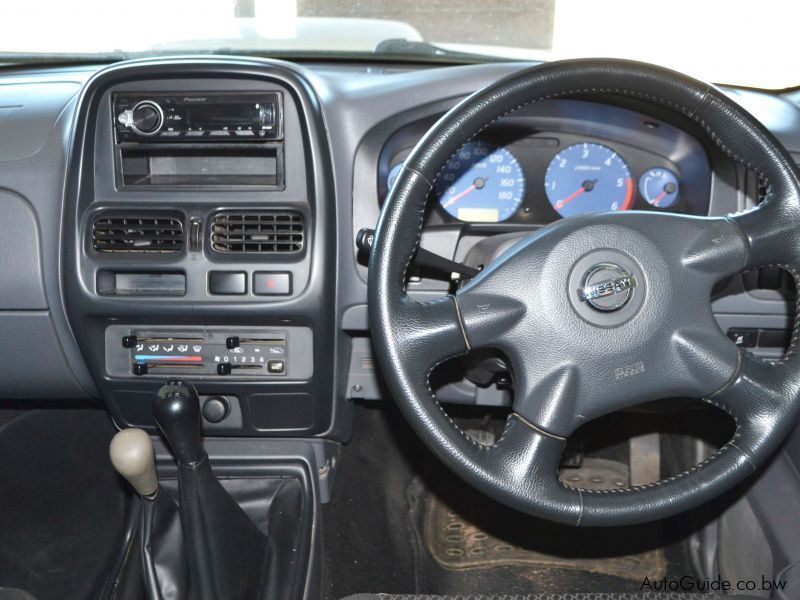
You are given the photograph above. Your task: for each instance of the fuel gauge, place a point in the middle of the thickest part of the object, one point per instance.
(659, 187)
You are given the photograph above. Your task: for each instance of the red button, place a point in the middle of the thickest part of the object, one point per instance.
(272, 284)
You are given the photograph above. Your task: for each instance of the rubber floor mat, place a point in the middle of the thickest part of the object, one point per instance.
(458, 542)
(62, 506)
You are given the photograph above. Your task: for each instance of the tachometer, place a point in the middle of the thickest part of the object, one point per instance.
(587, 178)
(481, 183)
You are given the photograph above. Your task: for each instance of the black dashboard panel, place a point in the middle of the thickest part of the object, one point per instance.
(70, 302)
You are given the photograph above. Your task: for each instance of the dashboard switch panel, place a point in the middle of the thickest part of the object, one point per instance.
(262, 353)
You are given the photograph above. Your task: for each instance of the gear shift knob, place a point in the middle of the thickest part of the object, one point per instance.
(132, 455)
(177, 412)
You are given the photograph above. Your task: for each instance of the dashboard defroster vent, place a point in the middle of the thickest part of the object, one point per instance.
(270, 231)
(137, 233)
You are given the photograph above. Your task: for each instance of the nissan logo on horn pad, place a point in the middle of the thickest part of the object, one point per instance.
(607, 287)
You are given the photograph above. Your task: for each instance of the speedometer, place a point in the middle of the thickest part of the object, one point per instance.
(481, 183)
(587, 178)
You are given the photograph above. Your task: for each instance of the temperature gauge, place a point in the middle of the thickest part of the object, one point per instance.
(659, 187)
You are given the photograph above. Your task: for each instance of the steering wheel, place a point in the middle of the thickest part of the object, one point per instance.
(595, 313)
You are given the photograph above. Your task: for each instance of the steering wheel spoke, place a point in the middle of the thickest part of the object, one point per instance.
(526, 460)
(545, 399)
(429, 332)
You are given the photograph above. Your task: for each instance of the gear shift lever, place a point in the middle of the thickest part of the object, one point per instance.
(177, 412)
(132, 455)
(225, 551)
(159, 537)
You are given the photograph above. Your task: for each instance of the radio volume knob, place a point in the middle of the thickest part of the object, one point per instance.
(147, 118)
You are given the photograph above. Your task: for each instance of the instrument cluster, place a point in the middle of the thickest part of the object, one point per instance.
(519, 176)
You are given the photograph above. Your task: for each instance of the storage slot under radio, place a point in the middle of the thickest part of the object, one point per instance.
(183, 165)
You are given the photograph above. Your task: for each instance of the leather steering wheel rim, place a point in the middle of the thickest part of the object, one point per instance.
(569, 365)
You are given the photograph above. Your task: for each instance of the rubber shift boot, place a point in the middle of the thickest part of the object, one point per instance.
(226, 552)
(162, 548)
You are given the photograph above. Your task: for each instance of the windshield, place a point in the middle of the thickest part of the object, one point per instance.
(738, 42)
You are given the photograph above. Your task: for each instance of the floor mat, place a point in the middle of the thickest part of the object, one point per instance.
(456, 542)
(386, 484)
(61, 504)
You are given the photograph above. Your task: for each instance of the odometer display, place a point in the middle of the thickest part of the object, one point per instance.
(588, 178)
(481, 183)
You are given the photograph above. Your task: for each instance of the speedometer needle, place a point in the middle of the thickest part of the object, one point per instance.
(587, 186)
(476, 185)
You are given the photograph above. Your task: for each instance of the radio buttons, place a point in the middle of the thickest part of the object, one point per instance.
(266, 116)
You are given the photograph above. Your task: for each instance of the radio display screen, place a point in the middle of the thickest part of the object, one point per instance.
(217, 116)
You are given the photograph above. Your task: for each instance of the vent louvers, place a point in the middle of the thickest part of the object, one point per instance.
(137, 233)
(278, 232)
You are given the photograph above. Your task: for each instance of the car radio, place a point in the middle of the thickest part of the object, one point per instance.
(201, 117)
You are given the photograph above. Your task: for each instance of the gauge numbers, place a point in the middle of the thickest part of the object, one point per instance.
(588, 178)
(482, 183)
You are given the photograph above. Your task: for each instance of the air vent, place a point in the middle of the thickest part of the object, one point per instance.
(280, 232)
(137, 233)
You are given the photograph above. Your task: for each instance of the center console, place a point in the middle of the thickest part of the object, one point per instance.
(199, 238)
(199, 234)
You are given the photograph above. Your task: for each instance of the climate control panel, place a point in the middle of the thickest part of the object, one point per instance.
(263, 353)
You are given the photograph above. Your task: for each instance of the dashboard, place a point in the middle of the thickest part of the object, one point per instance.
(196, 218)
